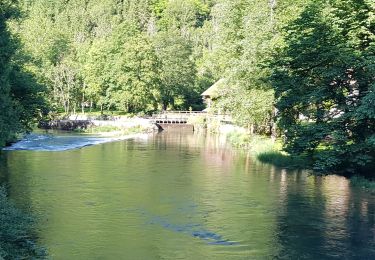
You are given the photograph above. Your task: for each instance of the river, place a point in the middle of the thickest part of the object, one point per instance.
(182, 196)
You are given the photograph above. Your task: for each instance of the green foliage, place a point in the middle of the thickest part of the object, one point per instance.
(307, 64)
(122, 71)
(177, 69)
(239, 140)
(248, 107)
(20, 95)
(16, 238)
(255, 143)
(199, 121)
(359, 181)
(242, 40)
(134, 56)
(323, 78)
(283, 160)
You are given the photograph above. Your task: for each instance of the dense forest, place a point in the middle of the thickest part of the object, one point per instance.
(306, 66)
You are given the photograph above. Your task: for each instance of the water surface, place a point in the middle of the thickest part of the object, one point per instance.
(184, 196)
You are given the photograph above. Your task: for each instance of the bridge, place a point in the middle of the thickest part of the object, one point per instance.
(182, 119)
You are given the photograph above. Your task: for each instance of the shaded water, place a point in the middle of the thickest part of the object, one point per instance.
(184, 196)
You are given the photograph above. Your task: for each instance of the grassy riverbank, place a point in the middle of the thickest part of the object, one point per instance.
(268, 151)
(361, 182)
(17, 240)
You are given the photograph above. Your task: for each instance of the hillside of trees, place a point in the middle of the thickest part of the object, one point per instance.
(306, 66)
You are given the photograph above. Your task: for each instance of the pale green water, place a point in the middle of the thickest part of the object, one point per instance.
(181, 196)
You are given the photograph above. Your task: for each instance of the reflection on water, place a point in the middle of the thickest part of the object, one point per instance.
(185, 196)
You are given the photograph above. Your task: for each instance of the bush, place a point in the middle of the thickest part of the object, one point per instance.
(199, 121)
(255, 143)
(17, 240)
(362, 182)
(239, 140)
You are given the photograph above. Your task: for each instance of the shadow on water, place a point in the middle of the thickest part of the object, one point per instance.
(13, 187)
(186, 196)
(195, 230)
(323, 219)
(4, 170)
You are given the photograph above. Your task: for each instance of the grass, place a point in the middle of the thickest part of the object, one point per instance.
(283, 160)
(17, 240)
(267, 150)
(255, 143)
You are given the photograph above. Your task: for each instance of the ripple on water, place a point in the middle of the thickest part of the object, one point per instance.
(49, 142)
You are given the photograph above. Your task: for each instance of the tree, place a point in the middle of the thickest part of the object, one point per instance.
(177, 67)
(243, 39)
(323, 83)
(20, 95)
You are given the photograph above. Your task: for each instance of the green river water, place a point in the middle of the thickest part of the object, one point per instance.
(184, 196)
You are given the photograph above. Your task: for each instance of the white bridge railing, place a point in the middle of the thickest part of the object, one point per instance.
(182, 117)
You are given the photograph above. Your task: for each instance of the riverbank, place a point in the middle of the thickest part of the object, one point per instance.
(269, 151)
(264, 148)
(17, 238)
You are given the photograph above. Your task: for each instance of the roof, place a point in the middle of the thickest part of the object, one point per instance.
(214, 90)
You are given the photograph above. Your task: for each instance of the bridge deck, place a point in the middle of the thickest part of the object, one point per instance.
(182, 117)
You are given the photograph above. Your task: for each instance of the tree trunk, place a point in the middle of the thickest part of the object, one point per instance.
(272, 10)
(83, 100)
(252, 129)
(273, 124)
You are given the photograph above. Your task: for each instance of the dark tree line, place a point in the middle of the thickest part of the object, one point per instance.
(20, 96)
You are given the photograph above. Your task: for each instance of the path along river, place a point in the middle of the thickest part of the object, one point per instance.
(182, 196)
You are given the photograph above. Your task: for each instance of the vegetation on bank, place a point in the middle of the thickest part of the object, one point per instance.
(303, 65)
(362, 182)
(17, 238)
(323, 79)
(268, 151)
(284, 160)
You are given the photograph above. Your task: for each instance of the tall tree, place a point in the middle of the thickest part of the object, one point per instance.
(177, 67)
(324, 81)
(20, 95)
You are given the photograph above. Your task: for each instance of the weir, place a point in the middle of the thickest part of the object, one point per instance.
(175, 120)
(166, 120)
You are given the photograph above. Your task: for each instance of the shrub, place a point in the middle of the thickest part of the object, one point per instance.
(17, 240)
(283, 160)
(362, 182)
